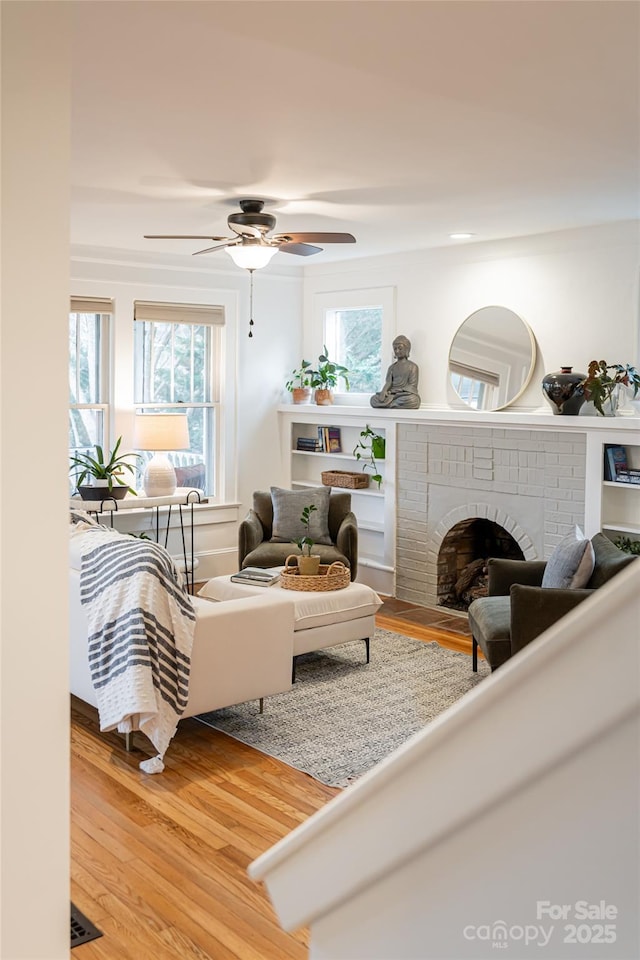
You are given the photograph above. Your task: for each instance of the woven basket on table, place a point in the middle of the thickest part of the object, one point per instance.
(342, 478)
(330, 576)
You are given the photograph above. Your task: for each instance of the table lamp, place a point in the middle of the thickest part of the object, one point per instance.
(160, 432)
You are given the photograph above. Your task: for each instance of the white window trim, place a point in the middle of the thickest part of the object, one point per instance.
(353, 299)
(124, 293)
(104, 308)
(212, 316)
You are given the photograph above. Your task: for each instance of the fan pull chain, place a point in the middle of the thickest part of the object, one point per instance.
(251, 304)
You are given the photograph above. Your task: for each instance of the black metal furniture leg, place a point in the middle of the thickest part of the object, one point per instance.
(474, 655)
(293, 670)
(367, 641)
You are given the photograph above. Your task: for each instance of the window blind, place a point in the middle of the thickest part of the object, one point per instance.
(178, 312)
(483, 376)
(91, 305)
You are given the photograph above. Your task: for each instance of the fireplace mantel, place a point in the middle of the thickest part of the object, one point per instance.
(535, 419)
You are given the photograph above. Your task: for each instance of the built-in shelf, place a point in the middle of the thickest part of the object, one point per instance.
(620, 511)
(373, 506)
(324, 453)
(372, 526)
(361, 492)
(622, 527)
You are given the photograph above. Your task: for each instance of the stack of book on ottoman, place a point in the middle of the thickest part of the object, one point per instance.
(256, 575)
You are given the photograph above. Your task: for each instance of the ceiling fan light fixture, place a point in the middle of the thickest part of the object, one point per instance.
(251, 256)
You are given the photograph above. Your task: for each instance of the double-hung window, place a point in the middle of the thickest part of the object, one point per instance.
(88, 373)
(177, 358)
(356, 324)
(476, 387)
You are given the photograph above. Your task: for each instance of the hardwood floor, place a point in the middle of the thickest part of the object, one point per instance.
(158, 863)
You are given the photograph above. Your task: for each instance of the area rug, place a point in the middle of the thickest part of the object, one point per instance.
(343, 715)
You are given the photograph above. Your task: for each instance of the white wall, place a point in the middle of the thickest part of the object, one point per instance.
(34, 686)
(255, 368)
(577, 290)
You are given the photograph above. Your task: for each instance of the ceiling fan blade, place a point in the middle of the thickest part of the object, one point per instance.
(218, 246)
(301, 249)
(316, 237)
(179, 236)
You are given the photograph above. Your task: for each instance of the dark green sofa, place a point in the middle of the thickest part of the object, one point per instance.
(518, 609)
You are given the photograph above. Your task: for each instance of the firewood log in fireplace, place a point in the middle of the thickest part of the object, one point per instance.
(472, 581)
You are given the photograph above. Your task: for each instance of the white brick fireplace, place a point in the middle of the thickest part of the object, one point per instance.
(529, 482)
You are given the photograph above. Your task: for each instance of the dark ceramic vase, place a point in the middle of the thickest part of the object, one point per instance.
(564, 391)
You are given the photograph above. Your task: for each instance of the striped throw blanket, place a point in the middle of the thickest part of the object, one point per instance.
(141, 626)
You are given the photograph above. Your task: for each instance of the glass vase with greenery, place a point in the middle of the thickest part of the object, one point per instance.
(603, 380)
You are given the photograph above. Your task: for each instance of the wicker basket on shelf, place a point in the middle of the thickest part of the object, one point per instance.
(342, 478)
(331, 576)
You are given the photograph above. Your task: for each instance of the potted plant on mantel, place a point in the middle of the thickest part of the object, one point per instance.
(604, 382)
(308, 564)
(299, 384)
(324, 379)
(107, 475)
(369, 448)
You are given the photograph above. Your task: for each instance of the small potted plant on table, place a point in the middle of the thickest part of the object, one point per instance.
(108, 474)
(299, 384)
(308, 564)
(324, 379)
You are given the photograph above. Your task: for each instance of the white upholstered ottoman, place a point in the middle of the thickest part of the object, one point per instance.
(321, 619)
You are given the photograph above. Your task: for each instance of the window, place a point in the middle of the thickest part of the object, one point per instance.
(354, 339)
(476, 387)
(177, 357)
(355, 326)
(88, 374)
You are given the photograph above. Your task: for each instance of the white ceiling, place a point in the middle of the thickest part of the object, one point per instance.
(399, 122)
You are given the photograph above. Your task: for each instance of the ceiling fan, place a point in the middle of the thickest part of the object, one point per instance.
(251, 247)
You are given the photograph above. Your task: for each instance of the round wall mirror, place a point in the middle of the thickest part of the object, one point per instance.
(491, 359)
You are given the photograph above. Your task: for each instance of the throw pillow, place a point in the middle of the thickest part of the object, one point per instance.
(287, 510)
(570, 565)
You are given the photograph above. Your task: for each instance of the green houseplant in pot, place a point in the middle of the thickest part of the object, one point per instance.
(308, 565)
(603, 384)
(324, 379)
(107, 475)
(299, 384)
(369, 449)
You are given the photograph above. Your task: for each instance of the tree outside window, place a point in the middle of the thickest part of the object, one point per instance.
(354, 339)
(174, 374)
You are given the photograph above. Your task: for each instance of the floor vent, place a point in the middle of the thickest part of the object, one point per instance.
(82, 930)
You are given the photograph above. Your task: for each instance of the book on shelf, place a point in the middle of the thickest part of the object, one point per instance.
(334, 439)
(615, 460)
(256, 575)
(628, 476)
(330, 439)
(309, 443)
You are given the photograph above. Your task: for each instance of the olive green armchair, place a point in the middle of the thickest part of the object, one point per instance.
(255, 548)
(518, 609)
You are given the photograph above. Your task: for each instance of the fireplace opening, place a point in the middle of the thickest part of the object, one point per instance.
(462, 560)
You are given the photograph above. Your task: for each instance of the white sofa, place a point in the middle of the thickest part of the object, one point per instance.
(242, 650)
